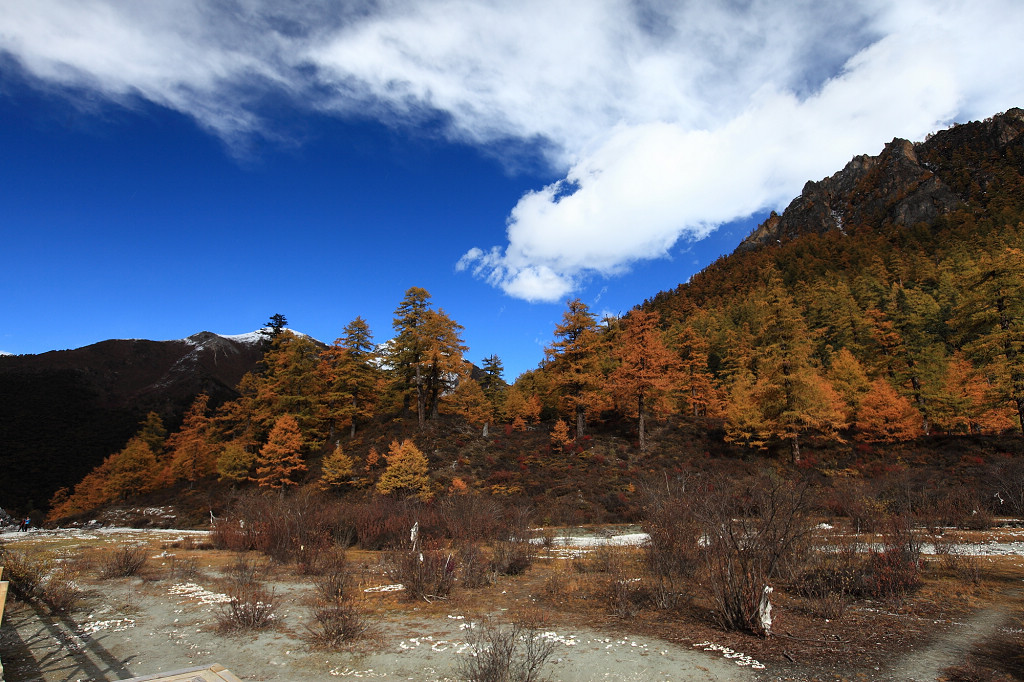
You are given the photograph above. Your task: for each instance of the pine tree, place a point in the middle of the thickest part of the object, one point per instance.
(351, 377)
(131, 471)
(406, 473)
(886, 415)
(574, 363)
(191, 449)
(338, 469)
(235, 463)
(279, 464)
(647, 370)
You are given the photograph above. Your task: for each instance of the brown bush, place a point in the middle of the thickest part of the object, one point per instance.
(123, 562)
(832, 576)
(893, 571)
(251, 606)
(428, 575)
(515, 652)
(471, 518)
(337, 616)
(512, 557)
(751, 532)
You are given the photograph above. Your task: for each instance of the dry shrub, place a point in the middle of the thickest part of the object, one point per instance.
(426, 575)
(512, 557)
(337, 616)
(385, 523)
(751, 531)
(672, 554)
(41, 579)
(515, 652)
(123, 562)
(832, 576)
(961, 507)
(953, 551)
(184, 568)
(893, 572)
(251, 606)
(471, 518)
(294, 527)
(25, 574)
(474, 568)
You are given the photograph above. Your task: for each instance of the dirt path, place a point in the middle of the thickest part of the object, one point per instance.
(951, 648)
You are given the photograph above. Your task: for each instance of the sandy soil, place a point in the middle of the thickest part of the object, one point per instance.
(136, 626)
(163, 621)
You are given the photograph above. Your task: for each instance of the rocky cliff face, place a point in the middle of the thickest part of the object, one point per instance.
(905, 184)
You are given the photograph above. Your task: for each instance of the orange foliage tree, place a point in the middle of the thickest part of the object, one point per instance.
(886, 415)
(406, 473)
(192, 454)
(647, 370)
(279, 463)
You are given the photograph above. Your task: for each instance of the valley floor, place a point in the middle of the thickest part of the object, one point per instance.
(163, 620)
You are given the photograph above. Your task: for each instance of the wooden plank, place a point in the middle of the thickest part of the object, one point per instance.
(3, 599)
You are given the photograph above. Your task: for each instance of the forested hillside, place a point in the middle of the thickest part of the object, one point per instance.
(884, 306)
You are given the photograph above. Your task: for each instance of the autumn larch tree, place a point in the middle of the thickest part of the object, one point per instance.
(131, 471)
(279, 464)
(469, 402)
(338, 469)
(792, 396)
(991, 322)
(289, 383)
(574, 364)
(191, 448)
(351, 377)
(647, 369)
(405, 350)
(406, 474)
(235, 462)
(698, 392)
(885, 415)
(427, 353)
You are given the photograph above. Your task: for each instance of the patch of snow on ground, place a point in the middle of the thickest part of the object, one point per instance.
(386, 588)
(197, 593)
(737, 657)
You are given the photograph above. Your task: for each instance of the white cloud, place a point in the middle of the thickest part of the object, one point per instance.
(667, 119)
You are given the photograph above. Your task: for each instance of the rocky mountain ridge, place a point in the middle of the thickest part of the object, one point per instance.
(907, 183)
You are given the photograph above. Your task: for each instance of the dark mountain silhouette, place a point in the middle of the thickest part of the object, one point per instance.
(62, 412)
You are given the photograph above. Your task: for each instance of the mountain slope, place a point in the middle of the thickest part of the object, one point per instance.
(62, 412)
(905, 184)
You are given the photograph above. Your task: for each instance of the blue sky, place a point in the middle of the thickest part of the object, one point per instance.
(167, 168)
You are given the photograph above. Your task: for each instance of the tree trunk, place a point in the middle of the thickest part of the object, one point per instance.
(795, 448)
(640, 422)
(352, 429)
(421, 399)
(581, 421)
